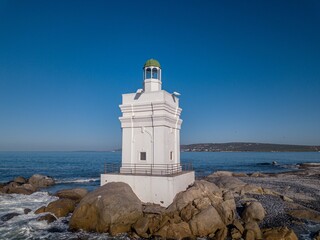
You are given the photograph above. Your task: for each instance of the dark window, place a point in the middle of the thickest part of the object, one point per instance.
(143, 156)
(148, 73)
(155, 73)
(171, 155)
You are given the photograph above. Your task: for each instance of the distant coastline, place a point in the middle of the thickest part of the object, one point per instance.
(247, 147)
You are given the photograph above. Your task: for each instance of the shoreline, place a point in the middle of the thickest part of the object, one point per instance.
(290, 199)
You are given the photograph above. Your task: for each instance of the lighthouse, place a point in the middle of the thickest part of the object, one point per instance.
(151, 127)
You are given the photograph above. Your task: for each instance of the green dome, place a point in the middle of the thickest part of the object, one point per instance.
(152, 62)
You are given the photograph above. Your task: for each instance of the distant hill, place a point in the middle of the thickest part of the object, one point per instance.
(247, 147)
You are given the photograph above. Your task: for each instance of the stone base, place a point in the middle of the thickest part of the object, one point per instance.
(153, 189)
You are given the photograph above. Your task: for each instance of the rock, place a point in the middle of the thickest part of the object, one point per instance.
(221, 173)
(141, 227)
(280, 233)
(254, 211)
(188, 212)
(240, 175)
(249, 235)
(2, 185)
(10, 187)
(221, 234)
(8, 216)
(61, 207)
(285, 198)
(258, 174)
(153, 208)
(175, 231)
(111, 208)
(254, 227)
(29, 187)
(26, 210)
(316, 236)
(227, 182)
(251, 188)
(21, 190)
(48, 217)
(235, 234)
(146, 226)
(200, 189)
(227, 208)
(40, 210)
(74, 194)
(309, 165)
(20, 180)
(307, 214)
(269, 191)
(40, 181)
(206, 222)
(238, 225)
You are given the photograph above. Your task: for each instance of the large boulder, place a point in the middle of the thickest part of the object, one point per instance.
(112, 208)
(175, 231)
(61, 207)
(206, 222)
(253, 211)
(202, 190)
(40, 181)
(74, 194)
(280, 233)
(14, 187)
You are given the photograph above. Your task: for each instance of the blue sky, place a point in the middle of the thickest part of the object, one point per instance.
(246, 70)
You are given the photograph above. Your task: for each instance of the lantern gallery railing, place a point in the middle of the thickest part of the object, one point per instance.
(147, 169)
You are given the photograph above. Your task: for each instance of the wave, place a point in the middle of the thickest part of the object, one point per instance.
(78, 180)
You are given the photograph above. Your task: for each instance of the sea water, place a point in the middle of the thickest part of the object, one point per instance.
(83, 169)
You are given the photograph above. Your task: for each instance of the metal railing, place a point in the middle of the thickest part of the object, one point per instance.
(147, 169)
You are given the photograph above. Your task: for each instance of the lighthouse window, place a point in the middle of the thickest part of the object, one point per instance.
(143, 156)
(148, 73)
(155, 73)
(171, 155)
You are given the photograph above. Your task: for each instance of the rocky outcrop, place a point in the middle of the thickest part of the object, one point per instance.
(280, 233)
(200, 211)
(175, 231)
(233, 184)
(253, 211)
(41, 181)
(74, 194)
(21, 185)
(49, 218)
(112, 208)
(59, 208)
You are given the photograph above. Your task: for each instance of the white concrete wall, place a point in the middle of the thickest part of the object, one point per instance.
(150, 123)
(154, 189)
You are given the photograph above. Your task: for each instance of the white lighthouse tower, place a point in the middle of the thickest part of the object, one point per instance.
(151, 126)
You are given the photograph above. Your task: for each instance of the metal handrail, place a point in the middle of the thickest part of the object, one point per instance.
(147, 169)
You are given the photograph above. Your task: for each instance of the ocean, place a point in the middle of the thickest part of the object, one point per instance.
(83, 169)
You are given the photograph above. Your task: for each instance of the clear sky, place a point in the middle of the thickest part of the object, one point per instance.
(247, 71)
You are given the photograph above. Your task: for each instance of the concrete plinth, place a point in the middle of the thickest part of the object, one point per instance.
(153, 189)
